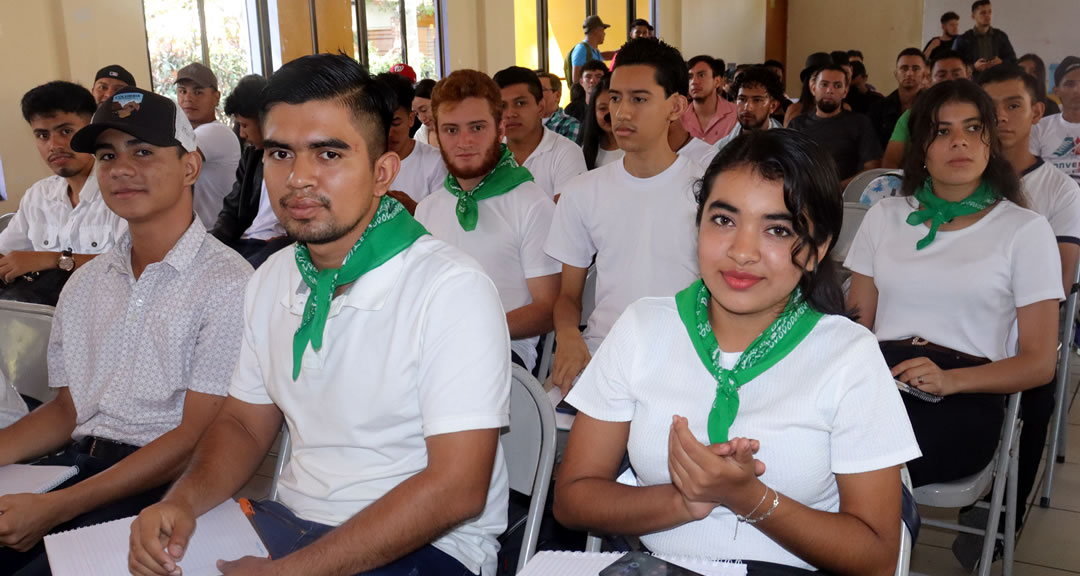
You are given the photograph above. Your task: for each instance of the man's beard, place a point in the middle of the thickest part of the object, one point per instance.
(828, 106)
(317, 233)
(491, 158)
(753, 125)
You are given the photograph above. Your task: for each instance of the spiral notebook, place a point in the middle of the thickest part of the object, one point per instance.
(223, 533)
(23, 478)
(566, 563)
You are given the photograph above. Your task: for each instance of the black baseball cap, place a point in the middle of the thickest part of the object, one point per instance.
(147, 116)
(116, 72)
(1067, 65)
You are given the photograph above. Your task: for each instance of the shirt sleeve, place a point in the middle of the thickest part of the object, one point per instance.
(217, 346)
(578, 55)
(58, 376)
(860, 257)
(569, 240)
(1036, 264)
(570, 163)
(464, 356)
(870, 429)
(535, 228)
(17, 234)
(1065, 219)
(603, 391)
(869, 147)
(217, 142)
(900, 132)
(248, 383)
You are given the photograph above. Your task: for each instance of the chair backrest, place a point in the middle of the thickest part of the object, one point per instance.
(588, 296)
(547, 357)
(283, 452)
(853, 217)
(854, 190)
(529, 449)
(5, 219)
(24, 344)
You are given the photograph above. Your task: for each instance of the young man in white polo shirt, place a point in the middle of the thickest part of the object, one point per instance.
(198, 96)
(491, 209)
(62, 221)
(635, 216)
(143, 343)
(552, 159)
(422, 169)
(384, 349)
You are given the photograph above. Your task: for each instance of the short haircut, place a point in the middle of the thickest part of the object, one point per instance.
(401, 87)
(854, 54)
(246, 98)
(949, 55)
(337, 78)
(979, 4)
(949, 17)
(857, 69)
(669, 68)
(717, 66)
(518, 75)
(52, 98)
(774, 64)
(641, 22)
(834, 68)
(912, 52)
(463, 84)
(553, 78)
(424, 88)
(593, 66)
(1006, 72)
(759, 76)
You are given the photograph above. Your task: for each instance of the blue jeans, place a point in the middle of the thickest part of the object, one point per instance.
(283, 533)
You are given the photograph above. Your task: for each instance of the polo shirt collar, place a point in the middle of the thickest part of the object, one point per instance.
(180, 257)
(369, 292)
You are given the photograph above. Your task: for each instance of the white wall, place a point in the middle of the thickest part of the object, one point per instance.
(1045, 27)
(733, 29)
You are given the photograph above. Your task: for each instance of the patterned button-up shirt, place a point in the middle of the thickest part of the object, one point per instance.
(564, 124)
(129, 350)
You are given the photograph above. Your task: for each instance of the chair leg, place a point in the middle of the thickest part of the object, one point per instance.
(1010, 505)
(996, 498)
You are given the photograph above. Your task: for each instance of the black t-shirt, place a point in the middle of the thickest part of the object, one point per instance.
(941, 49)
(848, 136)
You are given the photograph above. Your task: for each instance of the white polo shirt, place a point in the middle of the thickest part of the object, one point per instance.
(47, 222)
(1055, 196)
(416, 347)
(422, 172)
(829, 407)
(508, 242)
(556, 160)
(221, 155)
(699, 151)
(641, 231)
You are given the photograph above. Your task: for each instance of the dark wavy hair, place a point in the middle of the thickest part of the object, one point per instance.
(58, 96)
(923, 125)
(245, 99)
(592, 133)
(811, 185)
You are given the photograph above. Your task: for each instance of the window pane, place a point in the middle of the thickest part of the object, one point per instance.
(643, 9)
(613, 12)
(564, 32)
(526, 46)
(173, 40)
(383, 34)
(423, 48)
(230, 49)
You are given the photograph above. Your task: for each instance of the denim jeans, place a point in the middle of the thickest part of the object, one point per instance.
(283, 533)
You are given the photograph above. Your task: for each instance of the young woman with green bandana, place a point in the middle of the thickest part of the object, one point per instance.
(959, 282)
(761, 422)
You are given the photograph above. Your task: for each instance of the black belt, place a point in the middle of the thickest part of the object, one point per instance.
(103, 448)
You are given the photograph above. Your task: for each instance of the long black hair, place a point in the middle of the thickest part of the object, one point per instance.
(923, 126)
(593, 134)
(810, 181)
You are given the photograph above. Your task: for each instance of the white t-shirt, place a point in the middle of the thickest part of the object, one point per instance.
(422, 171)
(556, 160)
(961, 291)
(605, 157)
(508, 242)
(829, 407)
(641, 231)
(221, 155)
(1055, 196)
(265, 225)
(416, 347)
(421, 134)
(699, 151)
(46, 221)
(1058, 142)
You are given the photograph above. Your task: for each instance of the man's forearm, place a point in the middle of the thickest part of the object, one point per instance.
(566, 314)
(36, 434)
(530, 320)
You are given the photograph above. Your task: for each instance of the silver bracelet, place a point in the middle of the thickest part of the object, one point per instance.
(746, 518)
(775, 503)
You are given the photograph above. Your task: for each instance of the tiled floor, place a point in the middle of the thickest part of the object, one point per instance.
(1050, 542)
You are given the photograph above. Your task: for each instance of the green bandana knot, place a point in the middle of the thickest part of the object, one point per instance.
(770, 347)
(506, 176)
(391, 230)
(939, 211)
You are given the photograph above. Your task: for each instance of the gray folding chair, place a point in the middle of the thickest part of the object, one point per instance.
(588, 296)
(1002, 474)
(529, 449)
(853, 217)
(24, 334)
(5, 219)
(1056, 453)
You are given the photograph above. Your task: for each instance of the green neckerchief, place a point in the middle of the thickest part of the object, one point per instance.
(391, 230)
(505, 177)
(770, 347)
(939, 211)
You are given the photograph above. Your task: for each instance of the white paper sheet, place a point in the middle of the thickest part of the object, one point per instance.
(23, 478)
(591, 563)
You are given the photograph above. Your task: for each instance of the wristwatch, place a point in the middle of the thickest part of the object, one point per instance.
(66, 262)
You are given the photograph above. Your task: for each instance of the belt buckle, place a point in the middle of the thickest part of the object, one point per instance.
(916, 341)
(90, 450)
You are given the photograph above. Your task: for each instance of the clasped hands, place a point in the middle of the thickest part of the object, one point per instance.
(705, 477)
